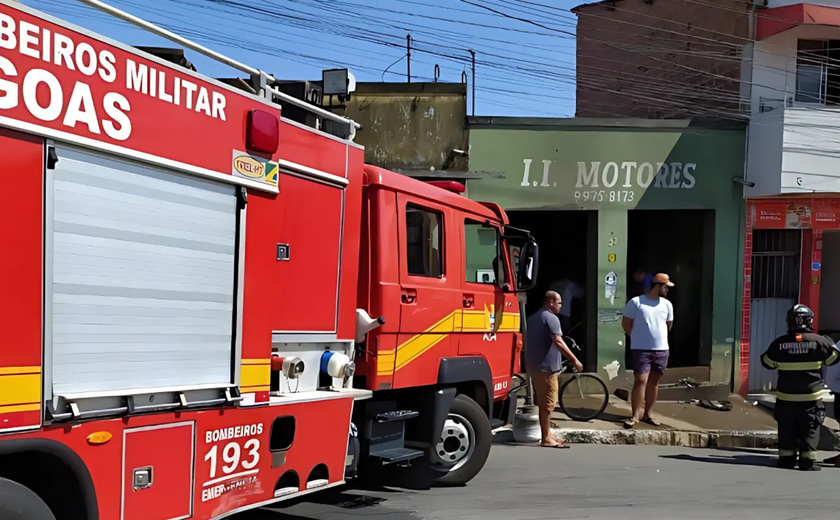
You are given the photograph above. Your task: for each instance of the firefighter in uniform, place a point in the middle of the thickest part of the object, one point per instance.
(799, 357)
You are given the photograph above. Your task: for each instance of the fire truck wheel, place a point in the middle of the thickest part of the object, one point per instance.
(20, 503)
(464, 443)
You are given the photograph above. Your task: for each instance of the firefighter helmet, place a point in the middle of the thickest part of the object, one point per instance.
(800, 317)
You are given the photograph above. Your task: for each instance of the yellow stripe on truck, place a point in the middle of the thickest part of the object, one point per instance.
(20, 389)
(416, 346)
(20, 408)
(255, 375)
(420, 343)
(19, 370)
(457, 321)
(385, 362)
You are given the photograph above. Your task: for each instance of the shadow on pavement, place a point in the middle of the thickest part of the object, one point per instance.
(733, 460)
(336, 504)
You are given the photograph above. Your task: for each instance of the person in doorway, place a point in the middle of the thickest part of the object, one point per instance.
(543, 361)
(647, 320)
(568, 290)
(642, 282)
(799, 357)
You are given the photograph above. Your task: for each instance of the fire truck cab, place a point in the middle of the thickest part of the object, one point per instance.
(443, 358)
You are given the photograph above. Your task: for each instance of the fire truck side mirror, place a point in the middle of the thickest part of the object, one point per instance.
(526, 278)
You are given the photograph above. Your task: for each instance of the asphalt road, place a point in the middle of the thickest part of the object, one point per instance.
(597, 483)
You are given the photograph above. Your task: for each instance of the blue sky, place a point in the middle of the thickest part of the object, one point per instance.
(525, 66)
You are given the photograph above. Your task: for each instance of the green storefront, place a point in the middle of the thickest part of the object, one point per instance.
(606, 199)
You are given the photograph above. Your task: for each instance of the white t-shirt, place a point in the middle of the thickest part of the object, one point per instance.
(650, 322)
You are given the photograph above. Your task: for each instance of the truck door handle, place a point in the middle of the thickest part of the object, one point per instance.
(409, 296)
(469, 301)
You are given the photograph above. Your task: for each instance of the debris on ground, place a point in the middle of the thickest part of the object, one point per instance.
(721, 406)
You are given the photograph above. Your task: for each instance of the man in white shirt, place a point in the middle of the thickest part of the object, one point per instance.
(647, 320)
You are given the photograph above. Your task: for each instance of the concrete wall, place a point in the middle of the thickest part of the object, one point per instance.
(411, 126)
(794, 150)
(660, 58)
(764, 153)
(811, 150)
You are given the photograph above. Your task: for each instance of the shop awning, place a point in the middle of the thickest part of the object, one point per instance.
(779, 19)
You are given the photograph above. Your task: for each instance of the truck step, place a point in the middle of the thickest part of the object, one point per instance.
(396, 415)
(395, 455)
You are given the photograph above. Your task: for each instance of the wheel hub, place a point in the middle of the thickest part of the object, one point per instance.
(455, 444)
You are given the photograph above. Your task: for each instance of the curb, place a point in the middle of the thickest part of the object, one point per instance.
(689, 439)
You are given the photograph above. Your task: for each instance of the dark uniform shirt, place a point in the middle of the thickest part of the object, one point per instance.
(799, 358)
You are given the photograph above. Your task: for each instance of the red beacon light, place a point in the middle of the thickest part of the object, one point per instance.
(263, 132)
(453, 186)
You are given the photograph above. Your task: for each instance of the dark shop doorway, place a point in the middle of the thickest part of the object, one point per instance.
(568, 242)
(682, 244)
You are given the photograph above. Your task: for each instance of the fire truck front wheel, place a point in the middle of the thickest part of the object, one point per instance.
(20, 503)
(464, 444)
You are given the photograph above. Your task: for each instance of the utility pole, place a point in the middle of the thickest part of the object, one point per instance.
(472, 53)
(408, 56)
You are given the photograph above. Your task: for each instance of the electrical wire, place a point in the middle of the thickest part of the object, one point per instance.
(503, 65)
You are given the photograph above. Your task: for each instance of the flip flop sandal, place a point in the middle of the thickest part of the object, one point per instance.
(558, 446)
(651, 421)
(629, 425)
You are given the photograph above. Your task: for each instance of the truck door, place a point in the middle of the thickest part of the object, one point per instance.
(21, 207)
(429, 289)
(480, 294)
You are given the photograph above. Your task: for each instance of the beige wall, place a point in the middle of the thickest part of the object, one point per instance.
(411, 126)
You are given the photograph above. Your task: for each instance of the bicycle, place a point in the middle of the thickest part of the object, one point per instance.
(583, 396)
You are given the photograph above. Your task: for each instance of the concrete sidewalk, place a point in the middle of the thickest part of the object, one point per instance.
(682, 424)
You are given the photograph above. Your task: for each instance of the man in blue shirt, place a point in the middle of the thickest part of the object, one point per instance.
(543, 361)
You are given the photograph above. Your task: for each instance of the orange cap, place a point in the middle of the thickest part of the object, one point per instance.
(663, 279)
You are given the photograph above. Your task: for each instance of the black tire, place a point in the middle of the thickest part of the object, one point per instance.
(20, 503)
(464, 408)
(595, 403)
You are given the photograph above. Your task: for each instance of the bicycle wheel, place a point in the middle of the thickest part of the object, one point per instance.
(584, 397)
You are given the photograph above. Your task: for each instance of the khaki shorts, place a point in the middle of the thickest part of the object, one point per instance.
(545, 388)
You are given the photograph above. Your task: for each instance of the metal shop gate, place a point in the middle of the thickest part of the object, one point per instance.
(775, 289)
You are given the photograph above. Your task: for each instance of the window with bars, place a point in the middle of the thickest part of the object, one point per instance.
(775, 263)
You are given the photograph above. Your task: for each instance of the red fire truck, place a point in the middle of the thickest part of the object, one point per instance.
(207, 307)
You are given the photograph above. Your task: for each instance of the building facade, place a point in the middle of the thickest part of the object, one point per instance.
(605, 197)
(661, 59)
(792, 249)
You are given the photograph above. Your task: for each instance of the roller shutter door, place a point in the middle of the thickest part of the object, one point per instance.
(140, 277)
